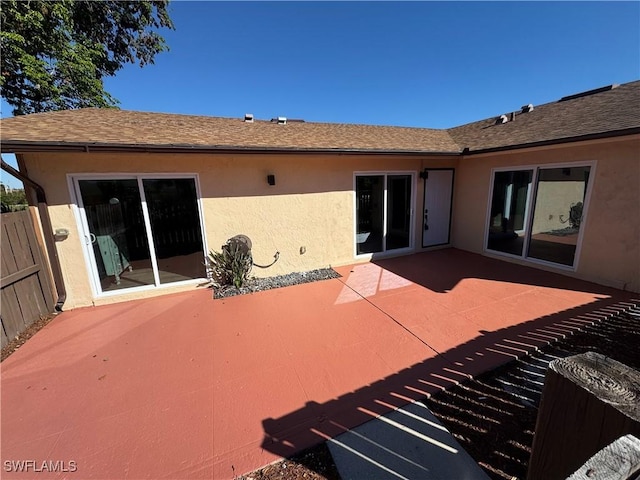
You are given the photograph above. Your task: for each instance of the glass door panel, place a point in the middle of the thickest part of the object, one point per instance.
(557, 217)
(175, 227)
(117, 233)
(398, 211)
(509, 203)
(369, 213)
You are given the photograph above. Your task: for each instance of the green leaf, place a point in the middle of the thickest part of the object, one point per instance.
(55, 54)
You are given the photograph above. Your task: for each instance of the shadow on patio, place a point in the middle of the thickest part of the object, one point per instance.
(438, 273)
(206, 388)
(442, 270)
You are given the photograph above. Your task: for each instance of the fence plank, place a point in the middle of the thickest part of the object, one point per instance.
(12, 322)
(22, 262)
(45, 290)
(17, 246)
(39, 303)
(45, 276)
(25, 281)
(8, 260)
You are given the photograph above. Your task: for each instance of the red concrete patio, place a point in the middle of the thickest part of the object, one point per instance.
(182, 386)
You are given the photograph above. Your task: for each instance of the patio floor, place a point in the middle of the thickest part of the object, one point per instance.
(182, 386)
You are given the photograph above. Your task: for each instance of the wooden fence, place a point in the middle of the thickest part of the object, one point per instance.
(26, 289)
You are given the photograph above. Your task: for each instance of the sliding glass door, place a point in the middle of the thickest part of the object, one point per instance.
(383, 212)
(141, 232)
(175, 227)
(369, 213)
(537, 213)
(558, 214)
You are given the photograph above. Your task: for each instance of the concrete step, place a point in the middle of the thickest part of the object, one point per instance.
(408, 443)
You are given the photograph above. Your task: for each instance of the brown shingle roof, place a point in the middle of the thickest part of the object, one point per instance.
(95, 127)
(609, 111)
(605, 113)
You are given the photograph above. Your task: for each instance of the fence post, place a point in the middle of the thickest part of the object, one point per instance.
(588, 401)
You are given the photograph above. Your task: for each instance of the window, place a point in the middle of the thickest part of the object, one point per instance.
(537, 213)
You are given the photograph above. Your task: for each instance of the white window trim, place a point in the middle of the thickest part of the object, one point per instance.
(82, 227)
(530, 206)
(385, 253)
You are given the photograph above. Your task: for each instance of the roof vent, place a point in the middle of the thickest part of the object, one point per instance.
(502, 119)
(248, 117)
(282, 120)
(527, 108)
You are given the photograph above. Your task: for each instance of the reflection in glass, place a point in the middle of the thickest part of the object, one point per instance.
(117, 233)
(398, 211)
(507, 225)
(369, 213)
(557, 216)
(175, 226)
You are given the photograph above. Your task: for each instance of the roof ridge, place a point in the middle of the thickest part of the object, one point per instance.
(216, 117)
(566, 98)
(614, 110)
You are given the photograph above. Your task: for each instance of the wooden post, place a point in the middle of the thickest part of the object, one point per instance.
(588, 402)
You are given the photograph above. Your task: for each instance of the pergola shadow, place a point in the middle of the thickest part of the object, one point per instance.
(318, 422)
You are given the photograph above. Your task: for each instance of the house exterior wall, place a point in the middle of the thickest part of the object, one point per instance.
(310, 206)
(610, 252)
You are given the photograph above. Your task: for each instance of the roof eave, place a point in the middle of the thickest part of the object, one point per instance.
(20, 146)
(13, 146)
(556, 141)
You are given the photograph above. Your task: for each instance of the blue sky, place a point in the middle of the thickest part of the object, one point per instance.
(423, 64)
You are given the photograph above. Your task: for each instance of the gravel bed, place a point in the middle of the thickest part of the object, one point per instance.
(313, 464)
(268, 283)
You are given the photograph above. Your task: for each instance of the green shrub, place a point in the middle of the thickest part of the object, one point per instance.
(231, 266)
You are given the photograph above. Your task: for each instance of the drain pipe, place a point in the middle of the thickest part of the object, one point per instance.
(47, 230)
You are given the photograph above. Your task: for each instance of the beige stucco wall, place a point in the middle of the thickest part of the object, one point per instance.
(310, 206)
(610, 252)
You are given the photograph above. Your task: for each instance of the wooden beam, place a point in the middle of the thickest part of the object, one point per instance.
(619, 460)
(19, 275)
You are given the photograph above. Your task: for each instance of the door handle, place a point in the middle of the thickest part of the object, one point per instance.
(92, 238)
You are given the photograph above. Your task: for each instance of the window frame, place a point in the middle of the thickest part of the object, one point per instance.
(532, 197)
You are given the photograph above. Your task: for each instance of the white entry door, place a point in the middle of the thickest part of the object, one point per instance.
(438, 194)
